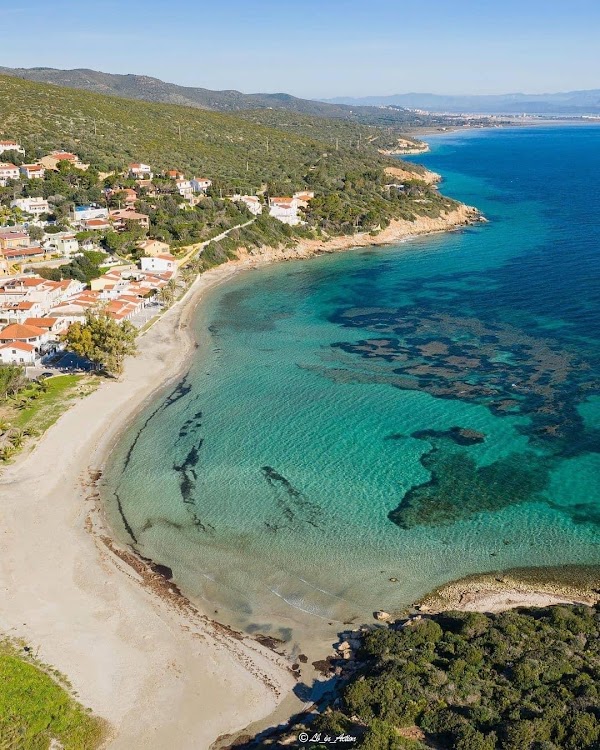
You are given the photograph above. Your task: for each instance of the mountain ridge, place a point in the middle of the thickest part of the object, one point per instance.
(149, 88)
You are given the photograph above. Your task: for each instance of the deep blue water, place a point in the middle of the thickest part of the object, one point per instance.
(419, 413)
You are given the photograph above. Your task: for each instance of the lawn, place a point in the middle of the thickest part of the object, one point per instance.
(36, 709)
(35, 408)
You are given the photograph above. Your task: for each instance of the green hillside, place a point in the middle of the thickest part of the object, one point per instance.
(147, 88)
(108, 132)
(237, 154)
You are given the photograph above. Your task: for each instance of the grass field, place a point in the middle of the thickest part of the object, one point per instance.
(36, 408)
(37, 711)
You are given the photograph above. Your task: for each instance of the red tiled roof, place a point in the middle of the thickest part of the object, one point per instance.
(64, 155)
(17, 252)
(18, 331)
(41, 322)
(23, 345)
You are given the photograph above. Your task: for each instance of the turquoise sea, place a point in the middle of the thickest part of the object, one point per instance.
(417, 413)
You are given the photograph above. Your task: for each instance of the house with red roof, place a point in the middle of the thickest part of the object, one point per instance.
(32, 171)
(26, 334)
(17, 353)
(10, 238)
(19, 312)
(121, 215)
(8, 172)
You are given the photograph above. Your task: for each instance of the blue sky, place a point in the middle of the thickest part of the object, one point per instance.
(317, 48)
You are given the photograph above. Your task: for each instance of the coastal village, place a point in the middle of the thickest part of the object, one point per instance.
(133, 282)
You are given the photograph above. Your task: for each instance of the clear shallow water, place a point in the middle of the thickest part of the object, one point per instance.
(309, 455)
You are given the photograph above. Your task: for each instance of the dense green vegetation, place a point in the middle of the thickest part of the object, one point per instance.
(109, 132)
(35, 709)
(154, 90)
(235, 153)
(520, 680)
(334, 132)
(84, 267)
(28, 408)
(264, 152)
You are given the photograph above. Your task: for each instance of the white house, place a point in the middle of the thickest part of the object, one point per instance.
(32, 171)
(8, 171)
(85, 213)
(159, 263)
(140, 171)
(200, 184)
(17, 353)
(285, 210)
(26, 334)
(251, 202)
(11, 146)
(63, 243)
(184, 188)
(20, 312)
(35, 206)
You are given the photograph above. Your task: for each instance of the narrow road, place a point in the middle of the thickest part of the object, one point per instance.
(199, 246)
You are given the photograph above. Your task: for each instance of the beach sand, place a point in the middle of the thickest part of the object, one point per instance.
(162, 675)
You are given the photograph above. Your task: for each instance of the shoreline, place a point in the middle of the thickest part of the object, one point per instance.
(521, 587)
(143, 663)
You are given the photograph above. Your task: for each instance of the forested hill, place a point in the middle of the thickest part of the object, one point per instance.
(349, 181)
(154, 90)
(110, 132)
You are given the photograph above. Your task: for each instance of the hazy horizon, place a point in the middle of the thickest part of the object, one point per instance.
(341, 50)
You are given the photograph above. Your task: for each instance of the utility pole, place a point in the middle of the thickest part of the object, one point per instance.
(337, 144)
(179, 129)
(95, 127)
(267, 145)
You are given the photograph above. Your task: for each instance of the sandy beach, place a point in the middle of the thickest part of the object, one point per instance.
(162, 675)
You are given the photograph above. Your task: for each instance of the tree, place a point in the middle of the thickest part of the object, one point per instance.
(102, 340)
(167, 293)
(36, 233)
(12, 379)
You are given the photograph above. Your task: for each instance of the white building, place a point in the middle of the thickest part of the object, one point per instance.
(32, 171)
(19, 332)
(17, 353)
(34, 206)
(140, 171)
(85, 213)
(63, 243)
(200, 184)
(251, 202)
(8, 171)
(11, 146)
(159, 263)
(285, 210)
(185, 188)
